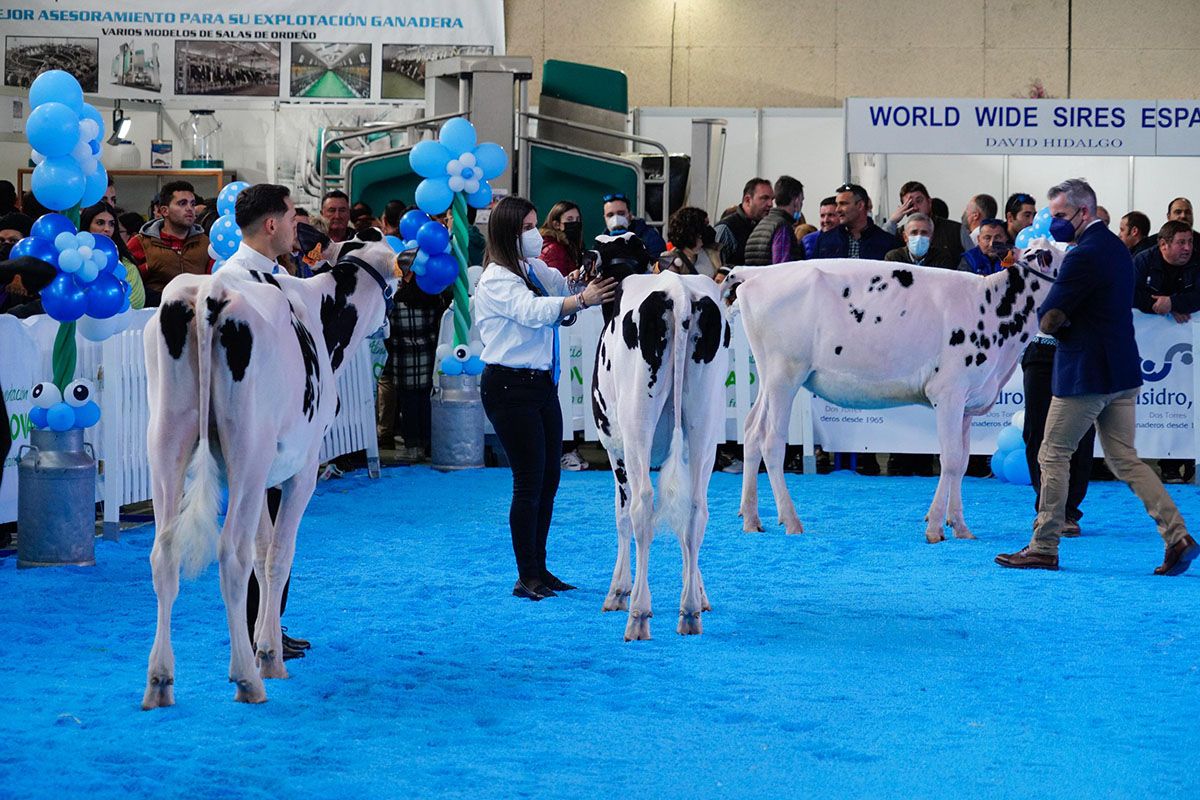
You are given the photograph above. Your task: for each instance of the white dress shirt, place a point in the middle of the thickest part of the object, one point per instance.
(515, 324)
(247, 257)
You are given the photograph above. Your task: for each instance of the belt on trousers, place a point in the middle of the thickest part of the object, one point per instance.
(1042, 338)
(517, 372)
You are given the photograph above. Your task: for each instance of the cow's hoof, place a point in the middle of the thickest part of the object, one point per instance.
(689, 624)
(751, 523)
(160, 692)
(793, 526)
(704, 606)
(933, 537)
(250, 690)
(963, 534)
(271, 666)
(616, 601)
(638, 627)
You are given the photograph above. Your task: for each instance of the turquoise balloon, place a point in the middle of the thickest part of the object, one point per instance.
(457, 135)
(227, 199)
(60, 417)
(1010, 439)
(94, 186)
(429, 158)
(450, 364)
(1026, 236)
(224, 236)
(491, 158)
(56, 86)
(69, 260)
(87, 414)
(474, 366)
(396, 243)
(434, 196)
(58, 183)
(1016, 468)
(52, 129)
(66, 241)
(997, 464)
(481, 198)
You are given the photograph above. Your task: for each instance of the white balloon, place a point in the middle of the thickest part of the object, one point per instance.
(453, 166)
(472, 186)
(467, 159)
(1018, 419)
(89, 129)
(457, 183)
(85, 251)
(81, 150)
(97, 330)
(36, 157)
(89, 165)
(213, 254)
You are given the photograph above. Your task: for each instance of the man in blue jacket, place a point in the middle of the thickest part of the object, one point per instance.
(1096, 378)
(858, 236)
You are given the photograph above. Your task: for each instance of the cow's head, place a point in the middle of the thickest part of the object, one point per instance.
(364, 280)
(617, 257)
(1043, 257)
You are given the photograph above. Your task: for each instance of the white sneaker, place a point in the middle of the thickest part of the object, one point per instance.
(330, 471)
(573, 462)
(734, 467)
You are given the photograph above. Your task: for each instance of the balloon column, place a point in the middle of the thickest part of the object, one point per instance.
(1008, 462)
(225, 236)
(65, 134)
(435, 266)
(456, 170)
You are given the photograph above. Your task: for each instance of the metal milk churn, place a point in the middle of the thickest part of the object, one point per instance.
(56, 500)
(456, 416)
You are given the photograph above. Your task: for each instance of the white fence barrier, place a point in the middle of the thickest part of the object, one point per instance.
(117, 367)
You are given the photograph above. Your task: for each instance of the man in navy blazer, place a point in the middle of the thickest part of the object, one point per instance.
(1096, 378)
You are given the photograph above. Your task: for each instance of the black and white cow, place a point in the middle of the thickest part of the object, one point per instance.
(873, 334)
(241, 370)
(661, 366)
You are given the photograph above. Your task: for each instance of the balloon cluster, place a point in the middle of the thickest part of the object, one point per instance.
(461, 359)
(1045, 226)
(435, 266)
(65, 134)
(91, 278)
(61, 411)
(1008, 462)
(456, 163)
(225, 236)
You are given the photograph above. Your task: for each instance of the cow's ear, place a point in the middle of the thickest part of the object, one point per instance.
(370, 235)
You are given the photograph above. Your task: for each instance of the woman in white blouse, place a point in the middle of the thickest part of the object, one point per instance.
(519, 302)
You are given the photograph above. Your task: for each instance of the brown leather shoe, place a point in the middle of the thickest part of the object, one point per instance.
(1071, 530)
(1178, 557)
(1024, 559)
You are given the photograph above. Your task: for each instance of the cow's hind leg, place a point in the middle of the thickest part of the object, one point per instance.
(642, 518)
(752, 456)
(954, 517)
(954, 464)
(235, 552)
(622, 581)
(774, 431)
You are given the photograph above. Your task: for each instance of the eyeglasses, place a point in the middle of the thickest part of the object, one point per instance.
(608, 198)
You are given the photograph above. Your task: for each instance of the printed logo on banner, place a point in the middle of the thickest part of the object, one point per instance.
(1151, 373)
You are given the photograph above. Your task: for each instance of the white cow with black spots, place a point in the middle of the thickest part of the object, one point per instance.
(874, 334)
(660, 366)
(241, 370)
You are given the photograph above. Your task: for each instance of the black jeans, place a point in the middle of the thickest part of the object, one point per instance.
(522, 405)
(415, 417)
(1038, 366)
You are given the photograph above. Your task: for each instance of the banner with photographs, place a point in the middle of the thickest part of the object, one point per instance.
(297, 50)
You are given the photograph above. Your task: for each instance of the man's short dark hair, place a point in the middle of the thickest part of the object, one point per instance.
(752, 184)
(166, 195)
(1171, 204)
(986, 204)
(8, 196)
(787, 189)
(1016, 201)
(829, 201)
(913, 186)
(257, 202)
(992, 222)
(334, 194)
(1136, 220)
(361, 209)
(859, 192)
(1172, 228)
(393, 211)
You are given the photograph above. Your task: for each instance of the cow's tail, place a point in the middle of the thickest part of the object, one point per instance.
(197, 533)
(674, 480)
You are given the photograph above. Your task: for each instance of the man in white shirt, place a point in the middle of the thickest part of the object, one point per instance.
(267, 217)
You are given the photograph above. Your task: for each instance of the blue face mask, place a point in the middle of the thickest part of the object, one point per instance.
(1062, 230)
(796, 216)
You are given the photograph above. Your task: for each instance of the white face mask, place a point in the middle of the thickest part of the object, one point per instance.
(617, 221)
(531, 243)
(918, 245)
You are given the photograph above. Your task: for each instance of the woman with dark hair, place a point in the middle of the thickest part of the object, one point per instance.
(562, 237)
(130, 223)
(102, 218)
(519, 303)
(695, 246)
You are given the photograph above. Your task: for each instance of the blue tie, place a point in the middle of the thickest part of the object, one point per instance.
(554, 365)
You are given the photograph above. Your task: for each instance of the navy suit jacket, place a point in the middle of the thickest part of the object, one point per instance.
(1097, 353)
(874, 244)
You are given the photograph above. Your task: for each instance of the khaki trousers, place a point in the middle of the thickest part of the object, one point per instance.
(1113, 415)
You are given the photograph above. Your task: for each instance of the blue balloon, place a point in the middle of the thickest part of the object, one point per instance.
(37, 247)
(104, 296)
(56, 86)
(428, 286)
(474, 366)
(1023, 239)
(997, 464)
(49, 226)
(52, 129)
(87, 414)
(396, 243)
(87, 273)
(69, 260)
(64, 300)
(433, 195)
(457, 135)
(58, 183)
(1010, 439)
(433, 237)
(224, 236)
(60, 417)
(411, 222)
(442, 269)
(450, 364)
(227, 199)
(429, 158)
(1016, 468)
(109, 248)
(481, 198)
(37, 416)
(94, 187)
(89, 112)
(418, 264)
(491, 158)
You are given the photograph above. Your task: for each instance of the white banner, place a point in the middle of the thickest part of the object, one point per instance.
(300, 50)
(26, 345)
(1022, 127)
